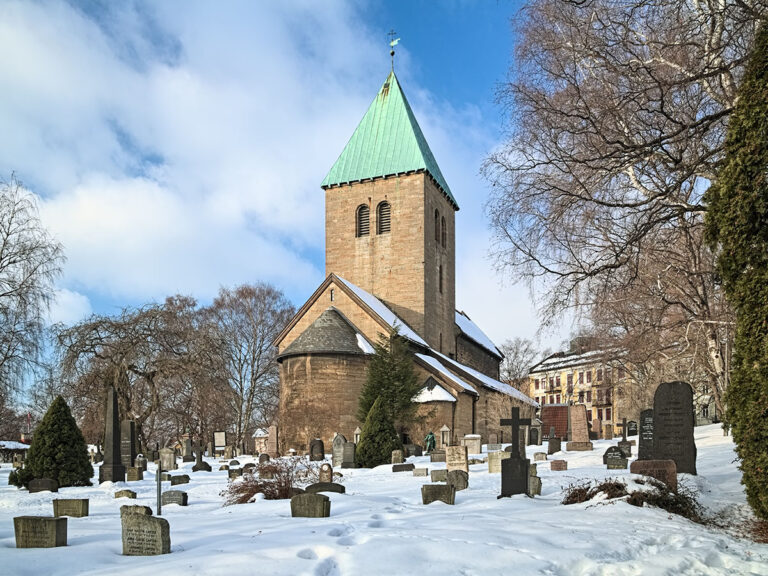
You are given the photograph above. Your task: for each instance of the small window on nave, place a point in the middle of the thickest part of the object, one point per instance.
(443, 231)
(437, 226)
(383, 218)
(363, 223)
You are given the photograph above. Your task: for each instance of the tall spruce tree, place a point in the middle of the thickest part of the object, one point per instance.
(737, 226)
(378, 438)
(58, 450)
(391, 377)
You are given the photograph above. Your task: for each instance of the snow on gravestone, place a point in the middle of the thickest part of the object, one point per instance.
(673, 426)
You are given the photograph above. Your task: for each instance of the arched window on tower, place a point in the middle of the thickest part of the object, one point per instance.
(383, 222)
(443, 231)
(363, 224)
(437, 226)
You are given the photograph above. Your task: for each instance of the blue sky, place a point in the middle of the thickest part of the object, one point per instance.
(177, 147)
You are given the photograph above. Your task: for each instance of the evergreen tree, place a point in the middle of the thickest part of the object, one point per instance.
(737, 225)
(58, 450)
(391, 377)
(378, 438)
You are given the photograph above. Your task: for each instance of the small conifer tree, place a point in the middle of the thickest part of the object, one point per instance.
(378, 438)
(58, 450)
(392, 378)
(737, 226)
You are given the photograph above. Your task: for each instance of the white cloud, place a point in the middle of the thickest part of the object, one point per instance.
(68, 307)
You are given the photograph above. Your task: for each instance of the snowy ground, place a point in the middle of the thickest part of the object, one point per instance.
(380, 527)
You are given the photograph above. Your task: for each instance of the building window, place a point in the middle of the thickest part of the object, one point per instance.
(557, 381)
(705, 411)
(589, 395)
(437, 226)
(599, 413)
(440, 280)
(599, 374)
(608, 414)
(581, 377)
(621, 373)
(589, 376)
(383, 211)
(558, 398)
(569, 383)
(363, 227)
(536, 383)
(331, 294)
(581, 397)
(443, 231)
(552, 382)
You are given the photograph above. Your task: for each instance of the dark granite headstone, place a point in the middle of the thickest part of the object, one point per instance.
(337, 450)
(40, 531)
(458, 479)
(233, 473)
(614, 461)
(514, 476)
(645, 448)
(74, 507)
(554, 445)
(43, 485)
(673, 426)
(145, 535)
(348, 456)
(413, 450)
(626, 448)
(180, 479)
(175, 497)
(112, 470)
(127, 443)
(310, 505)
(325, 487)
(438, 492)
(316, 450)
(534, 437)
(612, 452)
(632, 428)
(403, 467)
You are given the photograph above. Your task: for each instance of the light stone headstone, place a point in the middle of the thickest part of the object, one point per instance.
(420, 471)
(134, 474)
(74, 507)
(326, 473)
(40, 531)
(125, 494)
(145, 535)
(494, 461)
(473, 442)
(458, 479)
(539, 456)
(175, 497)
(187, 454)
(440, 475)
(456, 458)
(397, 457)
(337, 450)
(168, 459)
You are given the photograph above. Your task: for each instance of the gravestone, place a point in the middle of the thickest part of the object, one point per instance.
(228, 452)
(608, 431)
(134, 474)
(348, 455)
(493, 447)
(597, 429)
(326, 473)
(438, 492)
(141, 462)
(175, 497)
(514, 470)
(520, 445)
(645, 441)
(200, 464)
(224, 467)
(127, 509)
(554, 445)
(612, 452)
(439, 475)
(125, 494)
(458, 479)
(233, 473)
(187, 454)
(167, 459)
(337, 450)
(40, 531)
(624, 446)
(165, 477)
(43, 485)
(494, 461)
(632, 428)
(473, 442)
(264, 458)
(534, 482)
(316, 450)
(310, 505)
(266, 472)
(662, 470)
(272, 443)
(558, 465)
(397, 457)
(437, 456)
(539, 456)
(145, 535)
(413, 450)
(535, 437)
(112, 470)
(325, 487)
(403, 467)
(615, 460)
(234, 463)
(579, 430)
(456, 458)
(127, 443)
(421, 472)
(673, 426)
(180, 479)
(74, 507)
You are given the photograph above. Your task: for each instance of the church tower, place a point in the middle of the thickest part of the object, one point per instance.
(390, 219)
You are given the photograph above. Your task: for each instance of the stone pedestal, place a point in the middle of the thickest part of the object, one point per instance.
(40, 531)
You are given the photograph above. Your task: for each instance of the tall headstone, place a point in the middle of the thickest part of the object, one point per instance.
(578, 428)
(456, 458)
(316, 450)
(624, 445)
(337, 450)
(645, 448)
(272, 444)
(127, 443)
(608, 431)
(348, 455)
(168, 458)
(112, 470)
(187, 454)
(673, 426)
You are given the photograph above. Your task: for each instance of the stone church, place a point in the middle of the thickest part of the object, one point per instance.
(390, 262)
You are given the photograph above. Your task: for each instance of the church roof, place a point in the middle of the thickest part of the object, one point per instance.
(473, 332)
(331, 333)
(388, 141)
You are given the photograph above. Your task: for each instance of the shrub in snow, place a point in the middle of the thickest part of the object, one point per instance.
(274, 480)
(378, 438)
(58, 451)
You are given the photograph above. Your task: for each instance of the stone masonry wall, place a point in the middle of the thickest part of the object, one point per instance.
(475, 356)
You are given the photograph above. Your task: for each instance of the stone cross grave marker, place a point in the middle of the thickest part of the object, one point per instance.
(515, 422)
(623, 427)
(514, 470)
(673, 426)
(645, 441)
(112, 470)
(200, 464)
(145, 535)
(337, 450)
(624, 445)
(456, 458)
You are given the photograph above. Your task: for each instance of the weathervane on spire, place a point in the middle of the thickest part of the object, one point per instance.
(392, 43)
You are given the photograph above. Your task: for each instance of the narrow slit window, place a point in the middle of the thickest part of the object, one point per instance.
(441, 279)
(437, 226)
(363, 225)
(383, 218)
(443, 231)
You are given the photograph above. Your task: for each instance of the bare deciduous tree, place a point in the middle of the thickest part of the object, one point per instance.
(618, 112)
(30, 260)
(519, 355)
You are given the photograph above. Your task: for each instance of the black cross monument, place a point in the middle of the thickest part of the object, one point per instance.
(514, 470)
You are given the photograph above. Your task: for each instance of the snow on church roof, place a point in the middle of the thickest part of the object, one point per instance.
(472, 331)
(434, 394)
(437, 365)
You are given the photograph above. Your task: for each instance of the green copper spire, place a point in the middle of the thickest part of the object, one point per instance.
(388, 141)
